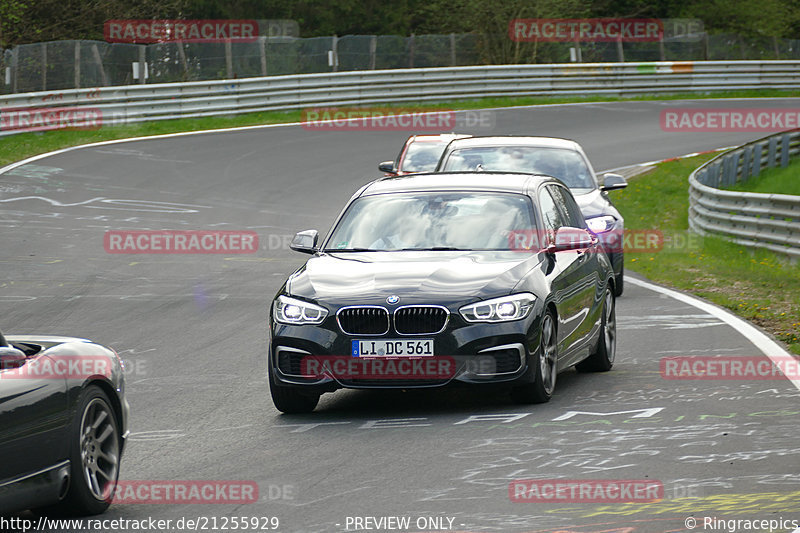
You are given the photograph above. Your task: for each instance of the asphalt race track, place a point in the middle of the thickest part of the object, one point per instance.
(192, 330)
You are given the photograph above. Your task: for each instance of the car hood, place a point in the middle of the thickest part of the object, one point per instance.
(440, 276)
(594, 203)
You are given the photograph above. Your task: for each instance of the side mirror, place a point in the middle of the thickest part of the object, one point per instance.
(305, 241)
(573, 239)
(387, 166)
(11, 357)
(612, 182)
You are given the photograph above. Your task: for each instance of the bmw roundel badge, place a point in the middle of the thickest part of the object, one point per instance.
(393, 299)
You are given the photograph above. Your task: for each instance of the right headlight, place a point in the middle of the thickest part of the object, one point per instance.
(288, 310)
(504, 309)
(601, 224)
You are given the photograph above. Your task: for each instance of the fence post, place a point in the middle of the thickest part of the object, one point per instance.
(757, 154)
(182, 56)
(661, 50)
(453, 49)
(746, 172)
(335, 53)
(44, 66)
(99, 60)
(726, 170)
(773, 149)
(716, 169)
(228, 59)
(142, 64)
(14, 69)
(262, 48)
(785, 139)
(373, 50)
(620, 52)
(578, 56)
(411, 51)
(77, 65)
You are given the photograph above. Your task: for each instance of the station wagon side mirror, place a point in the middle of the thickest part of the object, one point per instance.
(305, 241)
(11, 357)
(612, 182)
(387, 166)
(572, 239)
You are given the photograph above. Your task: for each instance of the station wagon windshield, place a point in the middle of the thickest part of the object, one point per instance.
(566, 165)
(432, 221)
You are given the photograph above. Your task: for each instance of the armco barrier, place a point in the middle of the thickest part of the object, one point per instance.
(769, 221)
(136, 103)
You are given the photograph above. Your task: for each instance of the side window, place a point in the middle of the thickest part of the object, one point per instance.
(550, 216)
(568, 207)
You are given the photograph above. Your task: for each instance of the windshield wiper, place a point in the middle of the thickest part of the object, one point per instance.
(335, 250)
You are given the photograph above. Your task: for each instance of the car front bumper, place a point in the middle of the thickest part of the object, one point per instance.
(465, 353)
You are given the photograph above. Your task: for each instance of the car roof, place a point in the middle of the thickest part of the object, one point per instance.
(516, 140)
(437, 137)
(515, 182)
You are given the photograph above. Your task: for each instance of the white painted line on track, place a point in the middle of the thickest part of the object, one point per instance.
(759, 339)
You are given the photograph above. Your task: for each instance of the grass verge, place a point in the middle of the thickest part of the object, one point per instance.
(20, 146)
(758, 285)
(784, 180)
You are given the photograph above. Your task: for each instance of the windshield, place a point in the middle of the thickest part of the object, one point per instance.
(566, 165)
(422, 156)
(424, 221)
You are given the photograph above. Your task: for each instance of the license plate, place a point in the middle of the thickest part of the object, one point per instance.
(392, 348)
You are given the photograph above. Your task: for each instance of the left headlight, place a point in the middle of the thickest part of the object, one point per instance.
(503, 309)
(601, 224)
(297, 312)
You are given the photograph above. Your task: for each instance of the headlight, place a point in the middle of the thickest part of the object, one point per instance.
(601, 224)
(502, 309)
(290, 311)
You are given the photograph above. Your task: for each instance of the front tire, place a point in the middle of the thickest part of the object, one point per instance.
(603, 357)
(290, 400)
(541, 390)
(619, 282)
(94, 456)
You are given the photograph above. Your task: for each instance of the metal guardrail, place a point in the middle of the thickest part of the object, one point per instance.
(770, 221)
(137, 103)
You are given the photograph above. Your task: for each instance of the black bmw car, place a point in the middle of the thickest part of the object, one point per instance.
(432, 279)
(63, 424)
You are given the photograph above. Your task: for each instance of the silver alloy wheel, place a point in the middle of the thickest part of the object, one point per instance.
(547, 358)
(99, 449)
(610, 330)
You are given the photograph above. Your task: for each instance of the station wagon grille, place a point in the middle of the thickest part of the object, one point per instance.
(420, 320)
(363, 320)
